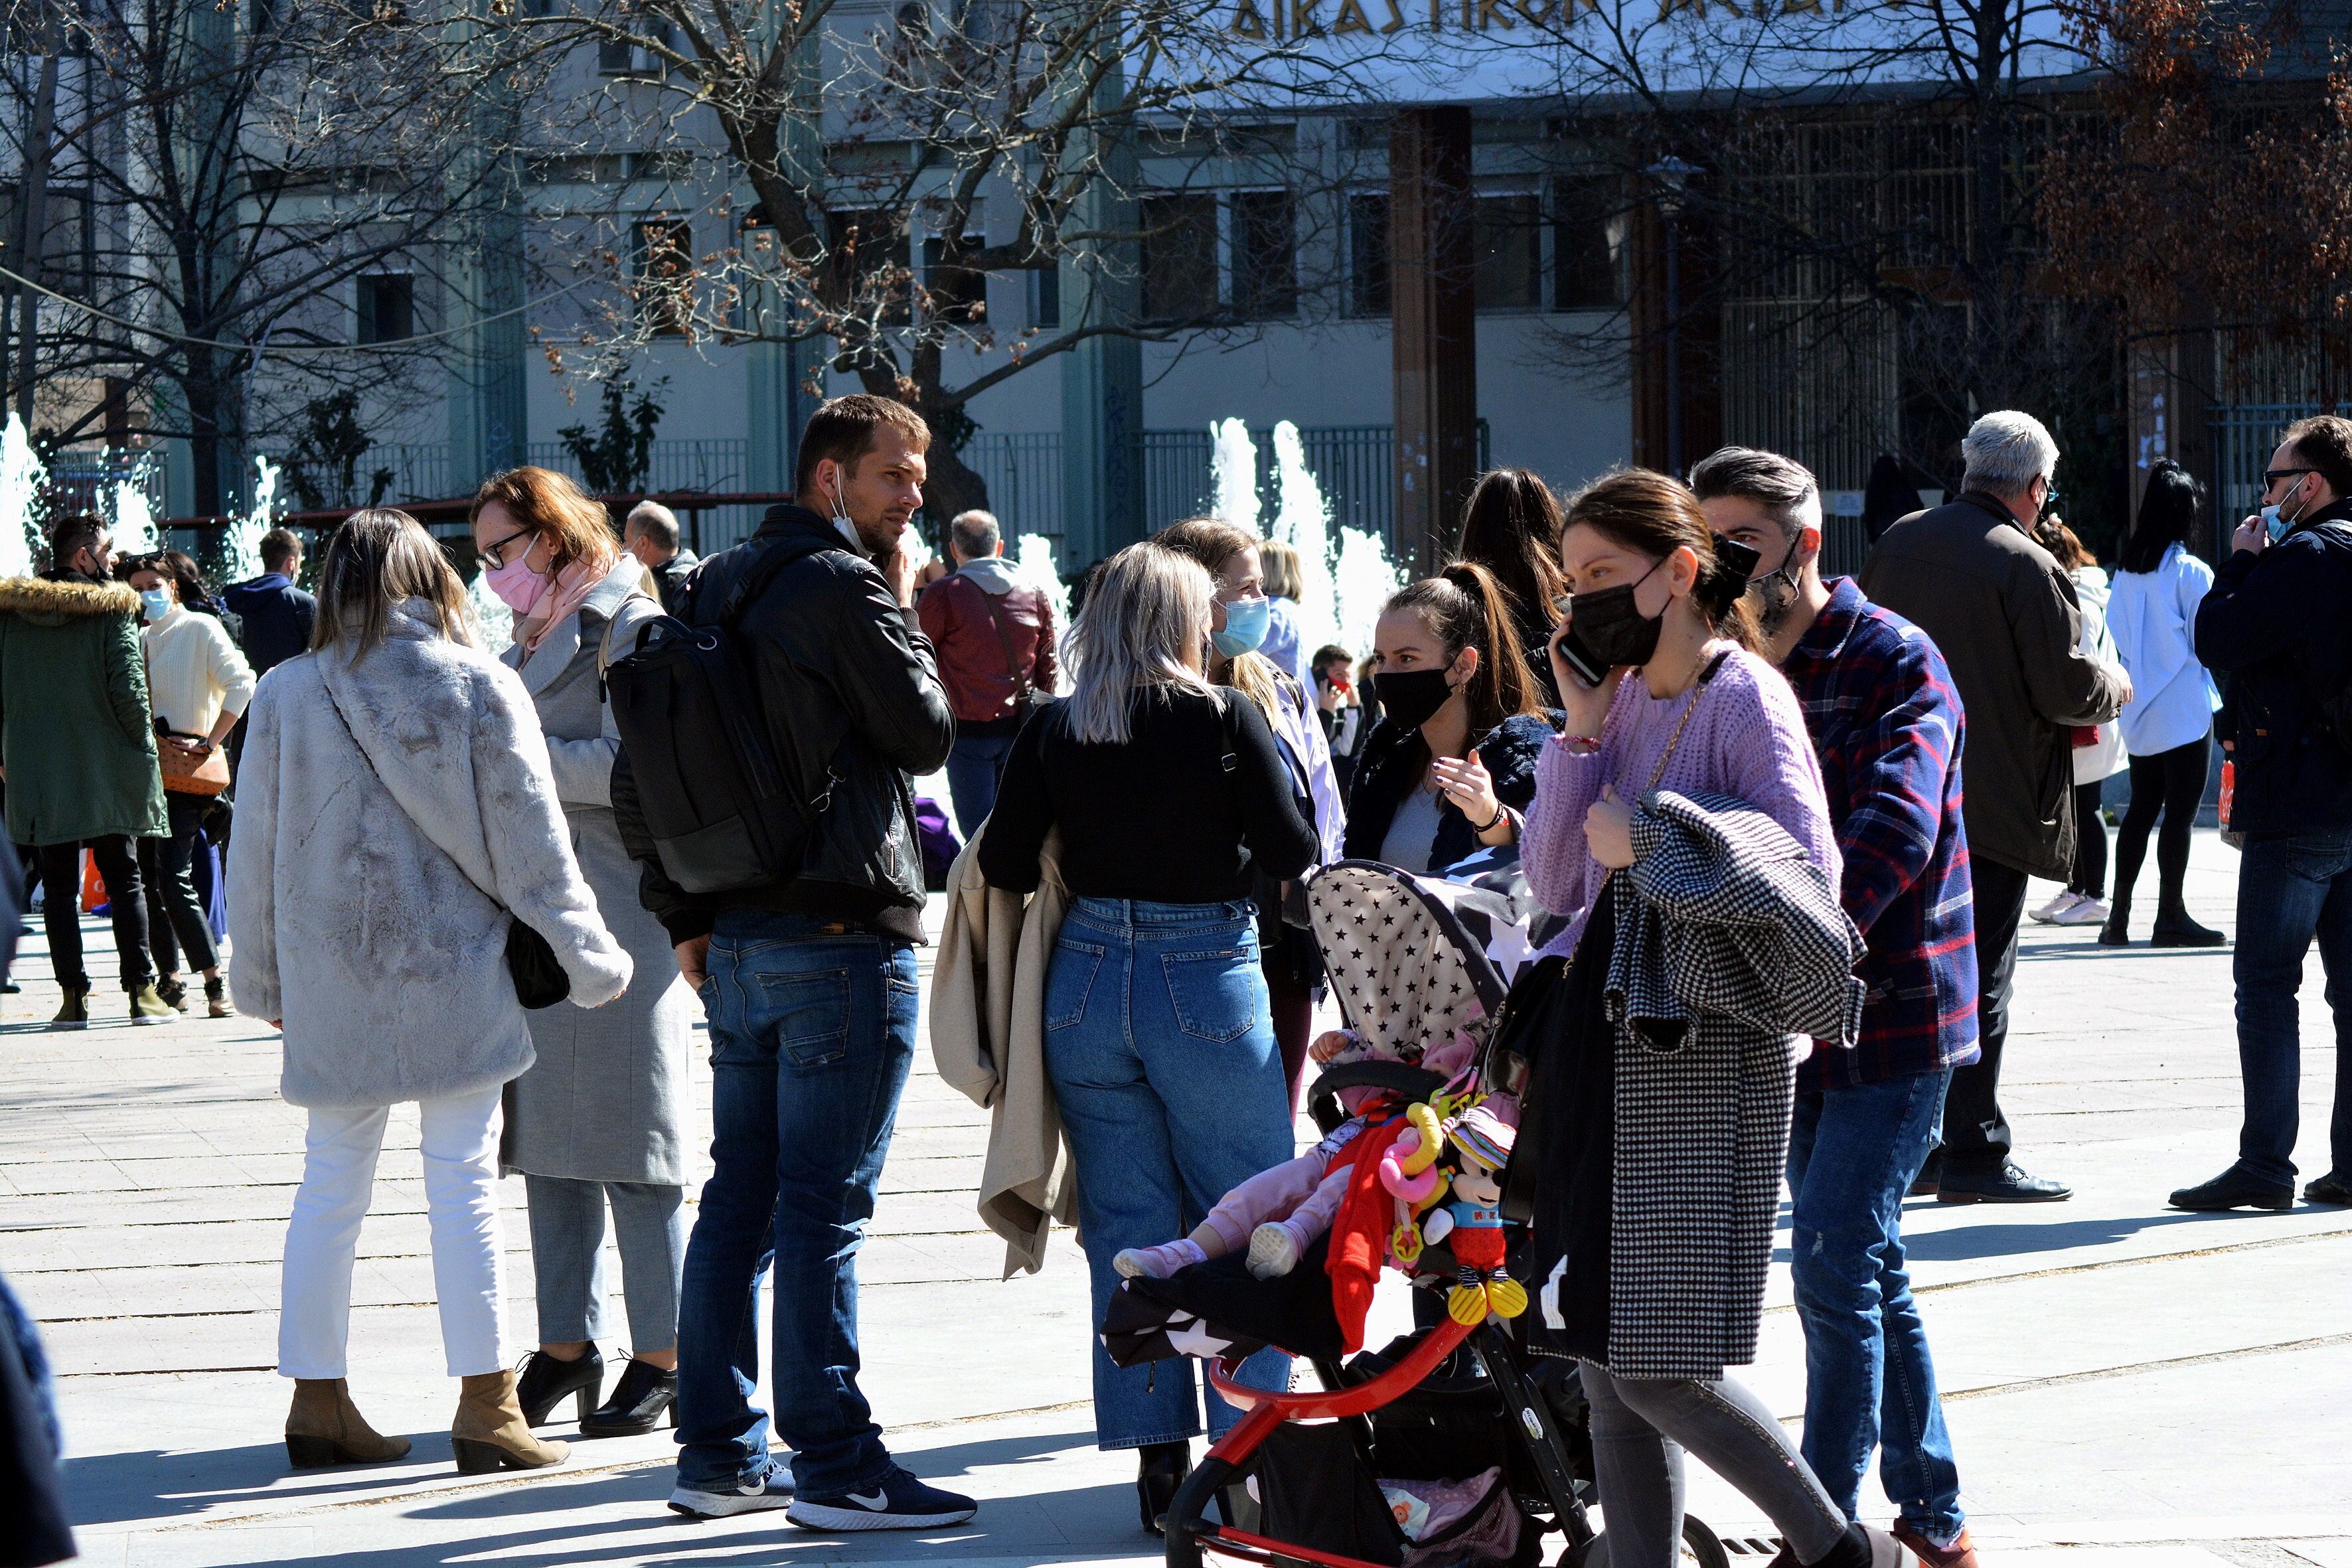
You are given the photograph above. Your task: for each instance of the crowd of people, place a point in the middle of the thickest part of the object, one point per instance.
(451, 881)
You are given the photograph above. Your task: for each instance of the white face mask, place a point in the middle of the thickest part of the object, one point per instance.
(841, 523)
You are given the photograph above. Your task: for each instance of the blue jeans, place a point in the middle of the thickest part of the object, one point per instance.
(1869, 1381)
(2289, 891)
(1162, 1053)
(812, 1033)
(974, 764)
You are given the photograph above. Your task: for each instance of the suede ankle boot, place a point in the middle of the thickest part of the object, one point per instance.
(489, 1430)
(325, 1429)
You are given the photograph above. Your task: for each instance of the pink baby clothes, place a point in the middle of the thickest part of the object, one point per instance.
(1746, 739)
(1299, 1190)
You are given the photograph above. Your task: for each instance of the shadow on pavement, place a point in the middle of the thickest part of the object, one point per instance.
(1975, 1241)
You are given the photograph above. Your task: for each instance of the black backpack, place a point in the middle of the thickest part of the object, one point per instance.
(725, 806)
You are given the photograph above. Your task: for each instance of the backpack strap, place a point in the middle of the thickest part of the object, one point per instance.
(1004, 641)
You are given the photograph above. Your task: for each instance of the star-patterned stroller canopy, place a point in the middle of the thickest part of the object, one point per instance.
(1412, 959)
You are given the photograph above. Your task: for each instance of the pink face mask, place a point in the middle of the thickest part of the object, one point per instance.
(520, 587)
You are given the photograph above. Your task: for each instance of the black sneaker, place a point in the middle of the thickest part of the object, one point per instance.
(900, 1502)
(773, 1490)
(2010, 1185)
(2235, 1189)
(639, 1400)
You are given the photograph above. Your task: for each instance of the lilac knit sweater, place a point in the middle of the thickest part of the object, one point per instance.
(1746, 739)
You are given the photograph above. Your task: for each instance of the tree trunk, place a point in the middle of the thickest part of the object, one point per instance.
(952, 487)
(33, 216)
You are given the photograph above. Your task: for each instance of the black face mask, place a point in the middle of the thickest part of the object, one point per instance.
(1410, 697)
(1611, 629)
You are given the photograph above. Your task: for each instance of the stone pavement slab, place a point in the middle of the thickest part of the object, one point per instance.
(2126, 1385)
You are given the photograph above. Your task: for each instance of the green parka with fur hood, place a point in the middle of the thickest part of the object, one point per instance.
(75, 734)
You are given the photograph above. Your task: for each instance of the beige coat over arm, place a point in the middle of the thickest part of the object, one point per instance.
(988, 1039)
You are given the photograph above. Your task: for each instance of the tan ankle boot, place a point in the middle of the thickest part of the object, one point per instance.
(489, 1430)
(325, 1429)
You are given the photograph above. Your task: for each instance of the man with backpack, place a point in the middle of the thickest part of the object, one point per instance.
(795, 909)
(2279, 619)
(995, 638)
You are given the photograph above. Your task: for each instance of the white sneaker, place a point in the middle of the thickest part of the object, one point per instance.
(2083, 912)
(771, 1490)
(2052, 912)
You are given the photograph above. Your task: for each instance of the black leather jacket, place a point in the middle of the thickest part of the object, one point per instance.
(840, 667)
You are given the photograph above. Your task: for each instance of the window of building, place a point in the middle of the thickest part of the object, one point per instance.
(1265, 255)
(869, 256)
(1045, 296)
(960, 299)
(1180, 257)
(664, 275)
(387, 308)
(1588, 243)
(1507, 237)
(1368, 255)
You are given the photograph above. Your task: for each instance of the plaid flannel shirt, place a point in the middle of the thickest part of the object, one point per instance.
(1887, 722)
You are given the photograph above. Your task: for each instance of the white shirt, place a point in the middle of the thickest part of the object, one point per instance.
(2152, 616)
(194, 672)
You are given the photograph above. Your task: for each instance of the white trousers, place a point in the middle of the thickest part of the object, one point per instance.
(460, 1146)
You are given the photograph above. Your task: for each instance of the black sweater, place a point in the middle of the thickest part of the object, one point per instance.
(1158, 818)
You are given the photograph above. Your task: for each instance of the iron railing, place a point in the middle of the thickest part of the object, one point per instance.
(2245, 436)
(1023, 475)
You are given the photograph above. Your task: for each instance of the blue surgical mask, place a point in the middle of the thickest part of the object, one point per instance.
(1245, 624)
(157, 602)
(2275, 524)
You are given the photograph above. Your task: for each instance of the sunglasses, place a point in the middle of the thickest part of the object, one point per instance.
(2273, 475)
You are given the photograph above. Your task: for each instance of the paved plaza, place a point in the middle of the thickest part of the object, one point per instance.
(2126, 1385)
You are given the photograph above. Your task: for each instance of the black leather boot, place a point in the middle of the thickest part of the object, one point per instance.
(2175, 929)
(1163, 1468)
(545, 1381)
(644, 1394)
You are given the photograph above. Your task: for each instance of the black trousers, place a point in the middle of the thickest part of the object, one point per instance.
(2090, 842)
(1976, 1135)
(117, 862)
(2172, 783)
(175, 916)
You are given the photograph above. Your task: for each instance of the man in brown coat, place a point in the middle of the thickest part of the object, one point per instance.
(2003, 613)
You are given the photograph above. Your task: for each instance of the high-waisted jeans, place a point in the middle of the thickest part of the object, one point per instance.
(1163, 1057)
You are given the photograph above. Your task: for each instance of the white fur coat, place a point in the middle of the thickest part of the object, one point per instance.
(360, 862)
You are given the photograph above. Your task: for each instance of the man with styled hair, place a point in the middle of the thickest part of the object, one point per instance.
(2279, 619)
(808, 979)
(1879, 704)
(995, 632)
(2003, 614)
(276, 617)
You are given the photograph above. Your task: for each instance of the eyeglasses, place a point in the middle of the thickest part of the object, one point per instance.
(2273, 475)
(495, 554)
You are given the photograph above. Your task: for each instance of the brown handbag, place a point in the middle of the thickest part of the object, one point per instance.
(204, 772)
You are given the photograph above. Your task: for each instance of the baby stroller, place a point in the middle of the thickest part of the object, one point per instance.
(1458, 1444)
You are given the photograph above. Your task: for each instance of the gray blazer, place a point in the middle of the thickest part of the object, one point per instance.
(606, 1100)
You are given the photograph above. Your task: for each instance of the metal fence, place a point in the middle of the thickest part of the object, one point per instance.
(717, 466)
(2245, 436)
(1023, 475)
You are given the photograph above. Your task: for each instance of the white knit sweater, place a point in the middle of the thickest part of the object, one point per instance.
(195, 671)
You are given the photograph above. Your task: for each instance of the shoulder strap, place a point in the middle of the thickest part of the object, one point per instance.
(753, 582)
(1698, 690)
(613, 622)
(1004, 641)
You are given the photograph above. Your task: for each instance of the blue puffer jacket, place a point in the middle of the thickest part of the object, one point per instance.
(2277, 623)
(1392, 765)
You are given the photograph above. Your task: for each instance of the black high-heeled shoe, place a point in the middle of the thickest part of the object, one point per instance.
(545, 1382)
(1161, 1471)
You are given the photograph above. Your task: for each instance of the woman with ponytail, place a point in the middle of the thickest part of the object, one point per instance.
(1657, 1157)
(1450, 767)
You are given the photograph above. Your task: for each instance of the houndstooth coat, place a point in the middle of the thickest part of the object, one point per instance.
(1731, 946)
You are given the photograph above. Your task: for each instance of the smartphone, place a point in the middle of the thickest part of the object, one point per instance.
(1572, 651)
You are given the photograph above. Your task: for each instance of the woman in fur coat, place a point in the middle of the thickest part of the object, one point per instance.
(396, 814)
(598, 1120)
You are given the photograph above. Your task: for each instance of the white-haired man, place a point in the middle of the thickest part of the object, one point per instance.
(2003, 614)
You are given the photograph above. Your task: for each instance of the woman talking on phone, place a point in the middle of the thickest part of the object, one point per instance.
(1659, 678)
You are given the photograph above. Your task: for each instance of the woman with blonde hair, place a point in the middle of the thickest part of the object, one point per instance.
(600, 1117)
(1170, 794)
(1285, 582)
(1239, 623)
(397, 826)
